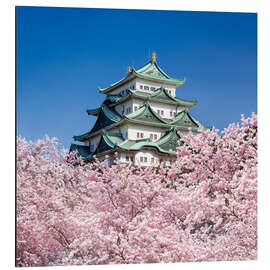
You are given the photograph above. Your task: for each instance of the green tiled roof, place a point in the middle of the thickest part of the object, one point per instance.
(114, 137)
(113, 98)
(152, 71)
(93, 111)
(82, 150)
(149, 71)
(106, 117)
(146, 114)
(160, 95)
(185, 119)
(145, 144)
(113, 140)
(170, 139)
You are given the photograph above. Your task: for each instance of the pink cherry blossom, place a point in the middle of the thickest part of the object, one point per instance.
(203, 208)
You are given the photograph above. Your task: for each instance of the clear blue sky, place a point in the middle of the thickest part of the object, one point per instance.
(64, 54)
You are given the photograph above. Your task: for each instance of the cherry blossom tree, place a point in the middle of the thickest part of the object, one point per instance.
(202, 208)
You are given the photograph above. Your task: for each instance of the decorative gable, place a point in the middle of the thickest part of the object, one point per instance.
(153, 71)
(170, 140)
(184, 119)
(147, 115)
(106, 117)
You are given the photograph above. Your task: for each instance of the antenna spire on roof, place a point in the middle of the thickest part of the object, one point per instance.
(154, 57)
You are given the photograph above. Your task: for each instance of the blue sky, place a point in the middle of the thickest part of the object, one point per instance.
(64, 54)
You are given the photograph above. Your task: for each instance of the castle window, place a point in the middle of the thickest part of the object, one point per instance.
(155, 136)
(141, 159)
(135, 108)
(162, 112)
(141, 135)
(146, 87)
(127, 158)
(158, 111)
(170, 92)
(141, 87)
(152, 88)
(171, 113)
(145, 159)
(151, 136)
(138, 134)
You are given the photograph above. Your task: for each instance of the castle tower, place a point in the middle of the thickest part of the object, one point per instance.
(139, 119)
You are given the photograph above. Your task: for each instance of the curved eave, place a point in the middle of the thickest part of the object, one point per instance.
(144, 123)
(88, 135)
(111, 116)
(141, 111)
(186, 103)
(126, 79)
(142, 144)
(181, 115)
(179, 101)
(133, 74)
(151, 97)
(94, 112)
(171, 81)
(109, 141)
(148, 65)
(82, 150)
(81, 138)
(168, 136)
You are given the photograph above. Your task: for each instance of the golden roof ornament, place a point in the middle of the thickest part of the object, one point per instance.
(128, 70)
(154, 58)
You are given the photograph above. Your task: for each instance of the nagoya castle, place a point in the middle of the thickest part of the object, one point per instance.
(139, 119)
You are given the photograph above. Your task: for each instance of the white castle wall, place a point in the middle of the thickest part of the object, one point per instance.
(134, 129)
(168, 110)
(120, 90)
(129, 132)
(140, 83)
(93, 143)
(144, 158)
(122, 108)
(124, 131)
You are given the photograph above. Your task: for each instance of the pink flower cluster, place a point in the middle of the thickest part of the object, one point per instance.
(203, 208)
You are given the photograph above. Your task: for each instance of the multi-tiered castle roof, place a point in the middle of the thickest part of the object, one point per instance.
(139, 119)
